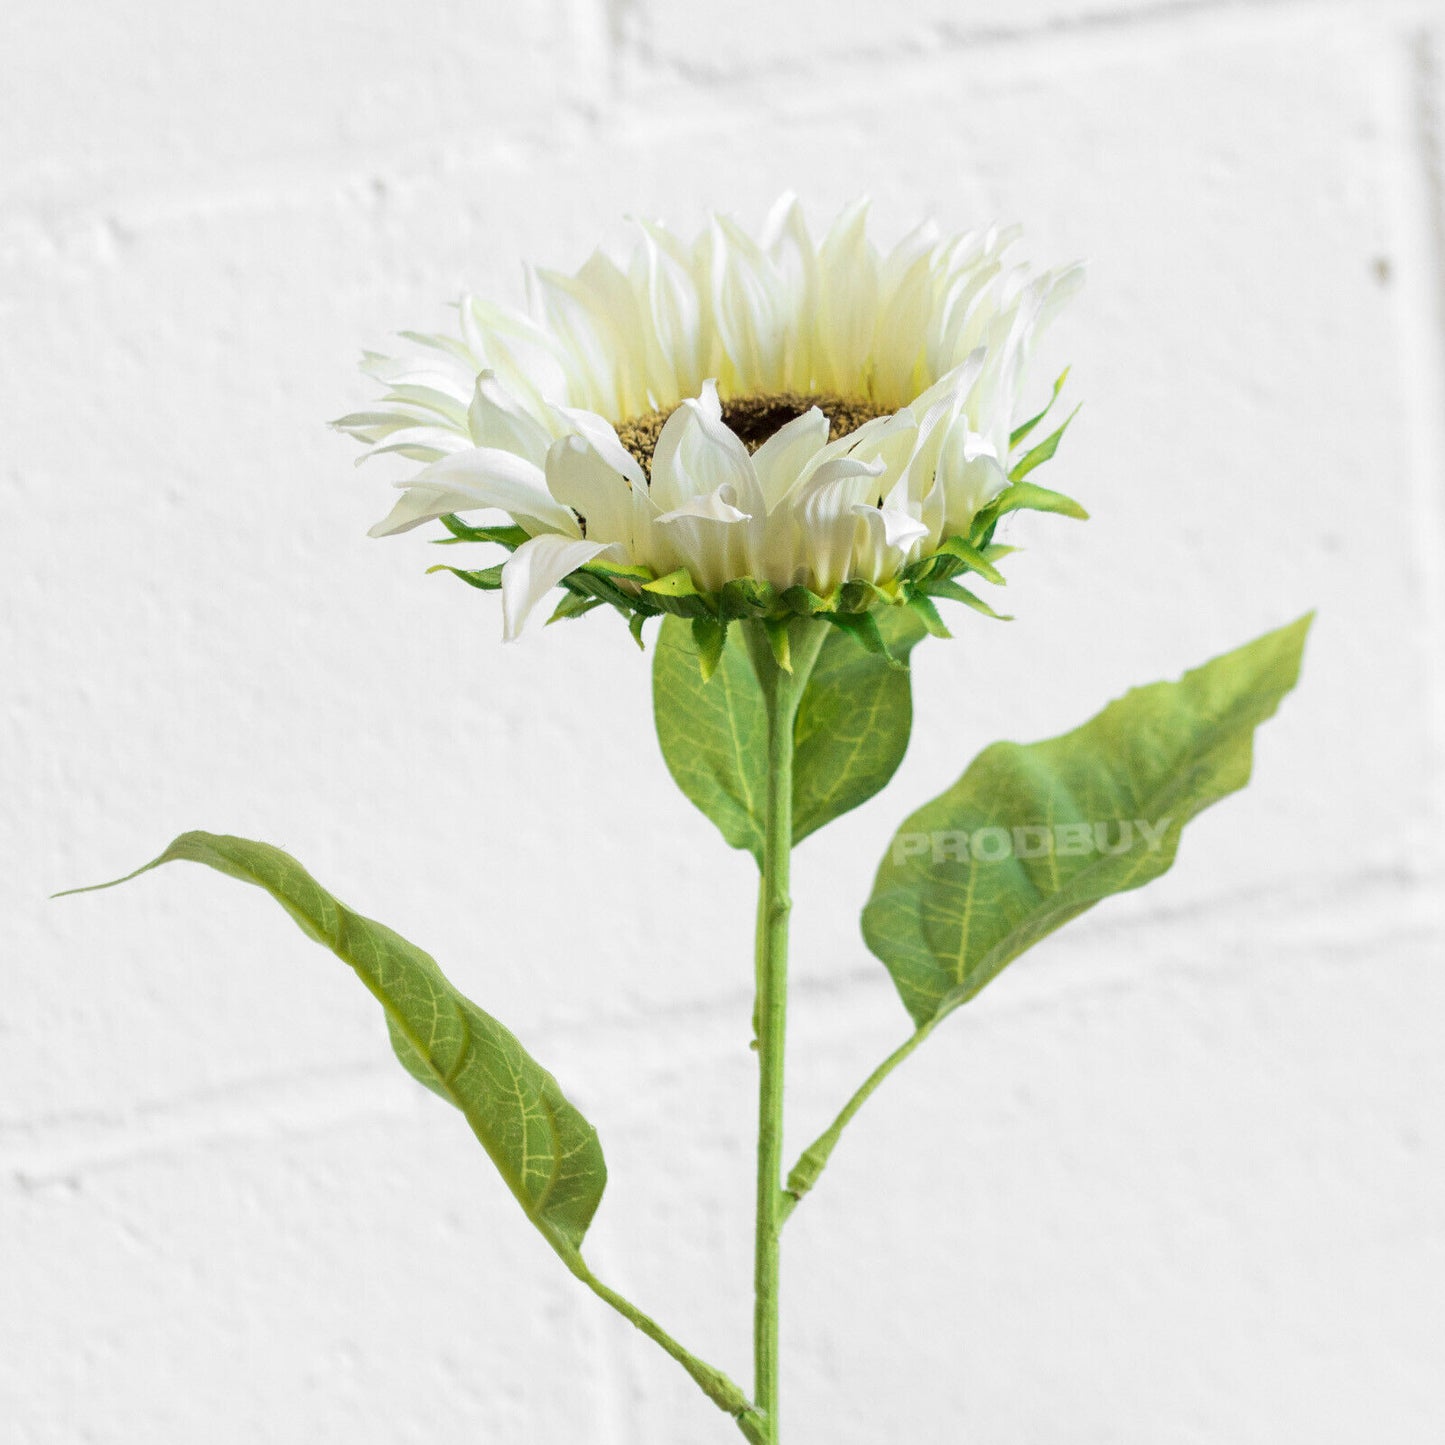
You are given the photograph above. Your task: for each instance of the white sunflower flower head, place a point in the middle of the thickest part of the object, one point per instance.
(733, 427)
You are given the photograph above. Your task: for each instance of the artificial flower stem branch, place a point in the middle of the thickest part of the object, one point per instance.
(782, 690)
(814, 1159)
(714, 1384)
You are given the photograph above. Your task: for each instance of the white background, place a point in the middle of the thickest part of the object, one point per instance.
(1177, 1178)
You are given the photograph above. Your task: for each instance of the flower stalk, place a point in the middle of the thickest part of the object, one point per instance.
(782, 689)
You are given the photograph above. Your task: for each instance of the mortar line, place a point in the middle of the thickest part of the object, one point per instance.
(1418, 190)
(308, 1104)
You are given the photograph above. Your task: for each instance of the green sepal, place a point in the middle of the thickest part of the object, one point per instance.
(674, 584)
(509, 537)
(862, 627)
(922, 604)
(803, 603)
(626, 570)
(489, 579)
(952, 556)
(860, 595)
(1041, 453)
(1024, 428)
(947, 587)
(746, 597)
(699, 604)
(597, 584)
(1030, 497)
(1019, 497)
(574, 604)
(710, 637)
(975, 558)
(635, 624)
(780, 641)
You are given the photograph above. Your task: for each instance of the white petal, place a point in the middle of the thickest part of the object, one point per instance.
(589, 345)
(696, 454)
(614, 301)
(747, 297)
(784, 457)
(676, 347)
(372, 426)
(578, 476)
(847, 479)
(420, 503)
(427, 401)
(890, 443)
(830, 528)
(795, 259)
(447, 375)
(714, 507)
(899, 528)
(600, 435)
(497, 420)
(481, 477)
(533, 570)
(420, 444)
(953, 384)
(527, 358)
(847, 308)
(970, 475)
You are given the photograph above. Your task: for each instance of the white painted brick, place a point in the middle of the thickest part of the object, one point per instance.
(1196, 1195)
(790, 41)
(104, 101)
(370, 1283)
(1196, 1190)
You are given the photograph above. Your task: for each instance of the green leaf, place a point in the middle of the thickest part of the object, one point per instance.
(851, 733)
(853, 722)
(1034, 834)
(547, 1153)
(714, 734)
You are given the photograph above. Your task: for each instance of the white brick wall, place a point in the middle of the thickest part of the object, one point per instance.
(1177, 1177)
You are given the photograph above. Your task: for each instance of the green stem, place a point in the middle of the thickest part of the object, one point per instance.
(714, 1384)
(804, 1174)
(781, 690)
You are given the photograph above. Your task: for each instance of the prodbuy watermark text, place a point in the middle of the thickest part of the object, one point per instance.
(993, 844)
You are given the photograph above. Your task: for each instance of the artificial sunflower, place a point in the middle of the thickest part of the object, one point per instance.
(733, 428)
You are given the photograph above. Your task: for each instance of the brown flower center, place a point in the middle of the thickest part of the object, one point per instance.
(756, 418)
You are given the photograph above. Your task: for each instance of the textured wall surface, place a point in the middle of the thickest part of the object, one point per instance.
(1177, 1178)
